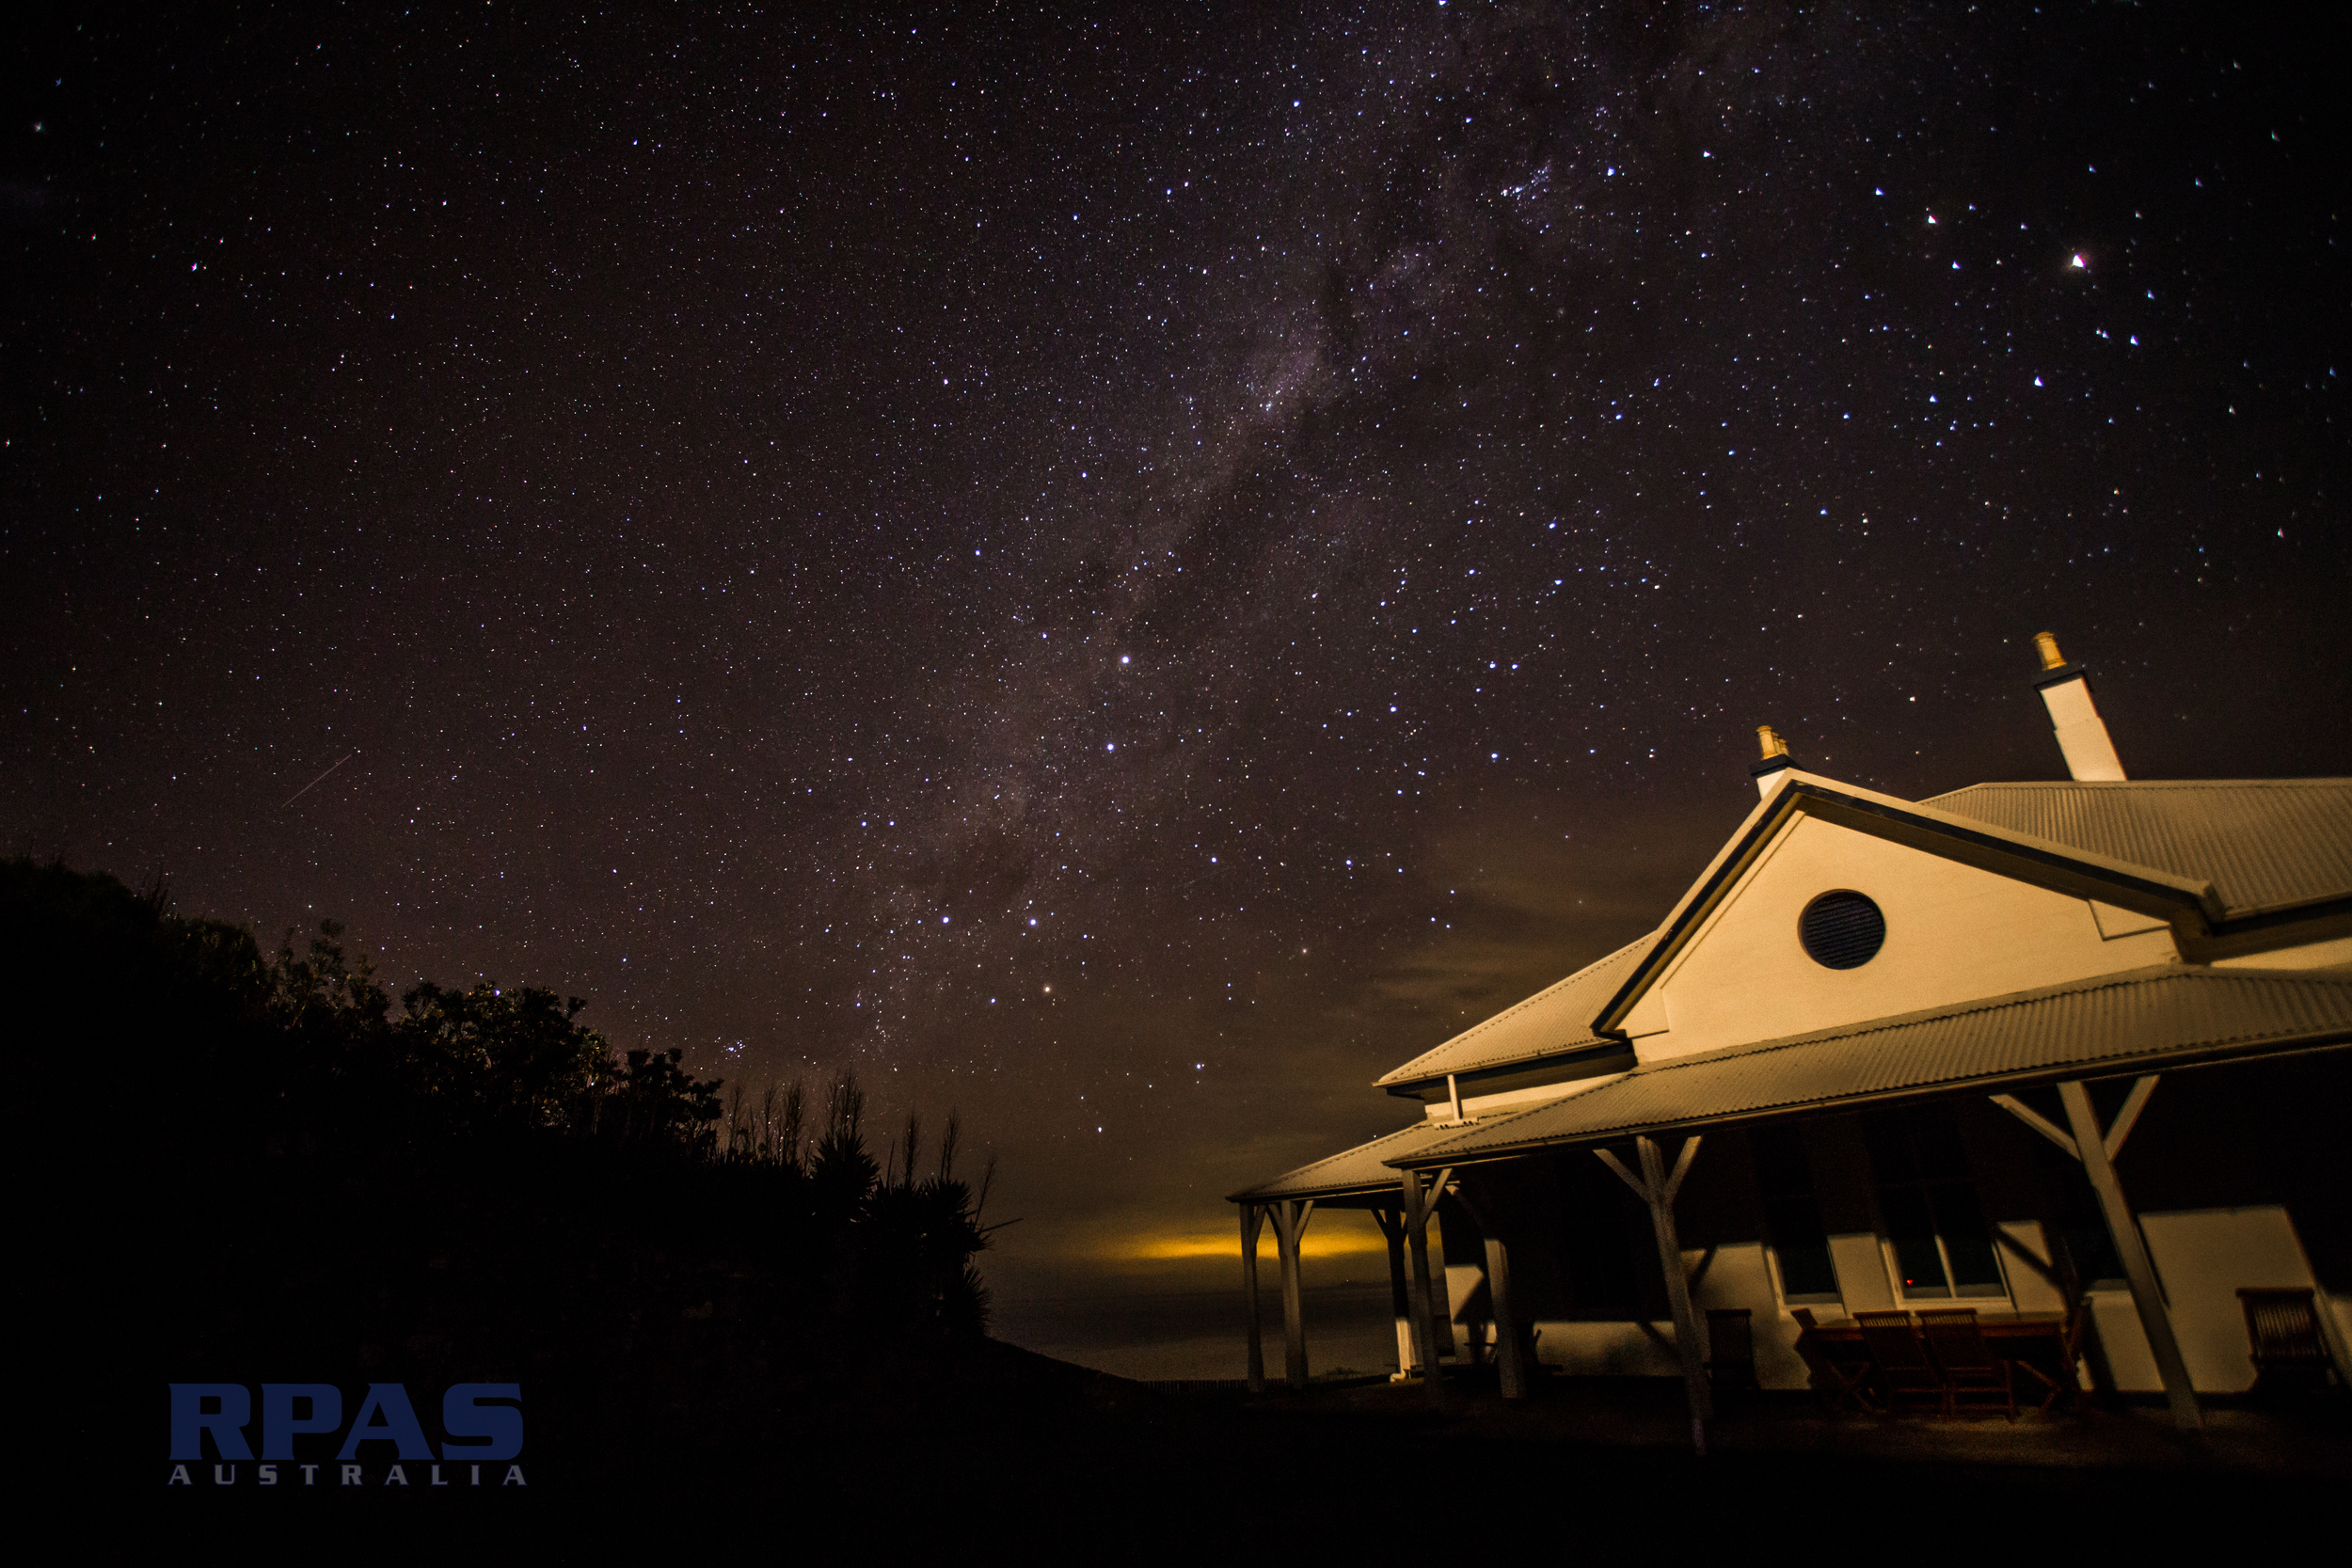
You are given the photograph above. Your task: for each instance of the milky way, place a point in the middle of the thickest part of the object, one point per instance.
(1128, 570)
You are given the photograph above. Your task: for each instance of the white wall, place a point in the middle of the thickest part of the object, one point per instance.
(1861, 1278)
(2028, 1287)
(1609, 1349)
(1953, 933)
(1739, 1275)
(2203, 1257)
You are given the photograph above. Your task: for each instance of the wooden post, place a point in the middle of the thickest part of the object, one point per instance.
(1289, 1224)
(1657, 1190)
(1251, 1217)
(1510, 1352)
(1418, 1205)
(1400, 1297)
(2094, 1149)
(1661, 1219)
(1507, 1321)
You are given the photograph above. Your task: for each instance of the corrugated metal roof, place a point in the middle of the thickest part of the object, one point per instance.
(2261, 843)
(1556, 1020)
(2136, 1021)
(1361, 1170)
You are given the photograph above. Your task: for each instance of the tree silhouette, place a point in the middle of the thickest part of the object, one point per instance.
(222, 1064)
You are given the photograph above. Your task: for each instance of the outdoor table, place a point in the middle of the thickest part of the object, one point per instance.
(2021, 1329)
(2038, 1339)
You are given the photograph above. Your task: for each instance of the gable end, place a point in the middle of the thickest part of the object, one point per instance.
(2192, 908)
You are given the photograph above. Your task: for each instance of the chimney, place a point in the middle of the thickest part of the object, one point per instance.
(1777, 759)
(2081, 734)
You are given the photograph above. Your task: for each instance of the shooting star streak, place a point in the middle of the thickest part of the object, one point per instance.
(312, 785)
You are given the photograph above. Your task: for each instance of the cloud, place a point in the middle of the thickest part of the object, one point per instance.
(1325, 1240)
(1530, 889)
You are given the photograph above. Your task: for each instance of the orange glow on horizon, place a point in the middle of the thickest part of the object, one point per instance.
(1319, 1242)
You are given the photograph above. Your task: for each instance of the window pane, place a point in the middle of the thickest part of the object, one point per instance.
(1967, 1238)
(1792, 1218)
(1911, 1226)
(1932, 1216)
(1795, 1223)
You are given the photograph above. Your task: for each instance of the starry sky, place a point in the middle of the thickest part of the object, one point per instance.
(1126, 570)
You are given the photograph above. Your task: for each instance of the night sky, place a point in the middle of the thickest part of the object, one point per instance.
(1128, 571)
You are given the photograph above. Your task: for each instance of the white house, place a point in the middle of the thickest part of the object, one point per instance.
(2018, 1047)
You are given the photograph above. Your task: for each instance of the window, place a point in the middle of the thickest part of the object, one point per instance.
(1842, 930)
(1934, 1222)
(1792, 1217)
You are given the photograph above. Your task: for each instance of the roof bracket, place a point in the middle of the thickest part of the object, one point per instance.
(2126, 1119)
(2039, 1122)
(2128, 1116)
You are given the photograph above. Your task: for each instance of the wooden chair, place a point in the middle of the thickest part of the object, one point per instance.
(1974, 1377)
(2065, 1379)
(1730, 1350)
(1838, 1384)
(1901, 1367)
(2284, 1329)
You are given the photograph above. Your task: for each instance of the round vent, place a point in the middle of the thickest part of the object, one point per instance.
(1842, 930)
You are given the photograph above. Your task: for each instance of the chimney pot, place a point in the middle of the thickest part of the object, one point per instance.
(2082, 735)
(1776, 761)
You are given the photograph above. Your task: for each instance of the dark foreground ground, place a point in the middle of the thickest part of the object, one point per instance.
(890, 1456)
